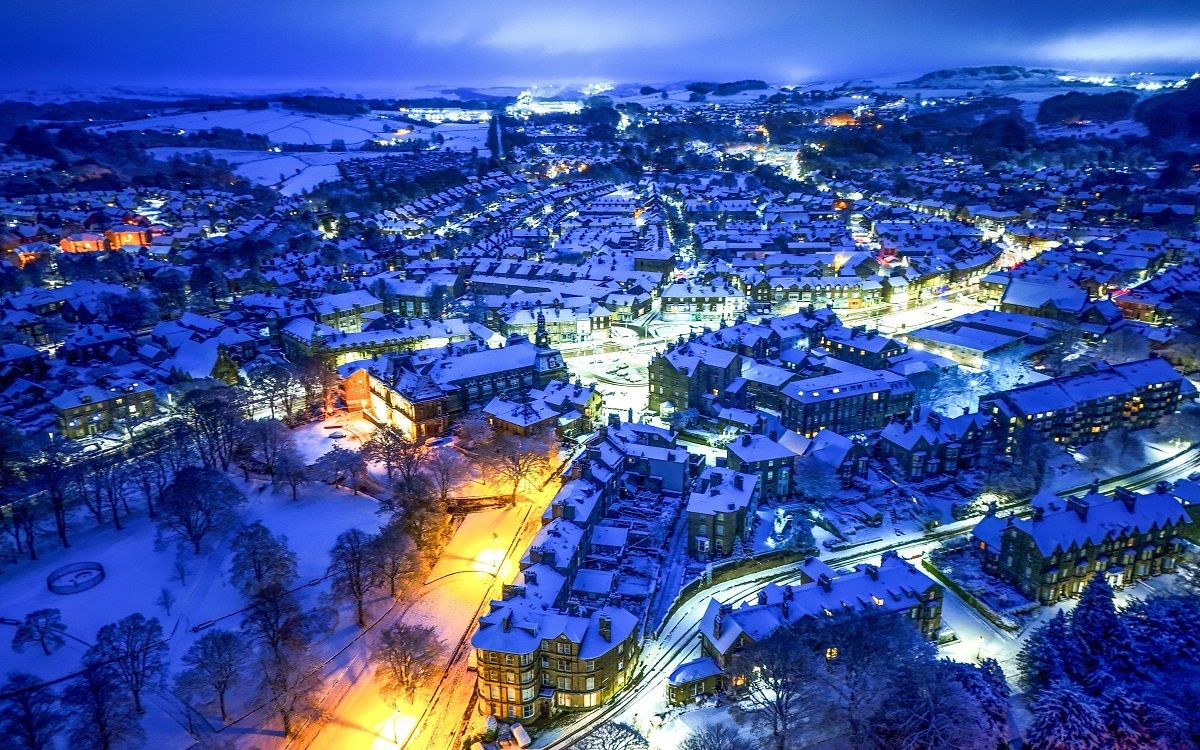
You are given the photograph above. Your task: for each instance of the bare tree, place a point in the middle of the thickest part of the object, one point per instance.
(392, 555)
(261, 560)
(275, 620)
(291, 470)
(51, 473)
(473, 431)
(447, 469)
(102, 716)
(867, 646)
(20, 517)
(30, 718)
(339, 466)
(43, 627)
(397, 453)
(265, 440)
(213, 417)
(929, 709)
(519, 460)
(198, 502)
(217, 661)
(166, 599)
(289, 686)
(404, 658)
(146, 474)
(715, 736)
(277, 385)
(135, 648)
(351, 565)
(781, 676)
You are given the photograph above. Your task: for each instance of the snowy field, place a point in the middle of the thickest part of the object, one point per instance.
(1118, 129)
(291, 173)
(280, 125)
(459, 136)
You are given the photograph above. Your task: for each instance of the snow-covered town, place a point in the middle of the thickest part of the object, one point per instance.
(718, 414)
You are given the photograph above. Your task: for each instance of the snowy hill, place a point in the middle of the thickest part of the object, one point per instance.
(988, 75)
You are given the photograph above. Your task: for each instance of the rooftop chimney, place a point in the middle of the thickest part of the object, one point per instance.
(1129, 497)
(1079, 505)
(825, 582)
(606, 628)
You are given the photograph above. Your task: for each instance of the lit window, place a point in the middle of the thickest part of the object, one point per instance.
(831, 653)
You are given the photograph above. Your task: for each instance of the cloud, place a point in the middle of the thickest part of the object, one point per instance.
(1138, 44)
(576, 34)
(563, 29)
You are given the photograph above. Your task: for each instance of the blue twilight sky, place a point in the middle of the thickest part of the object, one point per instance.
(373, 46)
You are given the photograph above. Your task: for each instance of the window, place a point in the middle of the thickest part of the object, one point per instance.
(527, 711)
(590, 683)
(831, 653)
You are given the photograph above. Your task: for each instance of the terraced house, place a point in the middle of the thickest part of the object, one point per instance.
(844, 398)
(893, 587)
(1080, 408)
(1050, 557)
(91, 410)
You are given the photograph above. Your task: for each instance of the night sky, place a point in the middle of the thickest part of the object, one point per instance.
(371, 46)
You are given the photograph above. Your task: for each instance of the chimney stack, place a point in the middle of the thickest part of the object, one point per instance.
(606, 628)
(1079, 505)
(1129, 497)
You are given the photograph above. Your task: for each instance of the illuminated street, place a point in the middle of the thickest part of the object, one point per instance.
(600, 375)
(482, 555)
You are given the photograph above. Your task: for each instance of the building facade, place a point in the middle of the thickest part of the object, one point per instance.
(1051, 556)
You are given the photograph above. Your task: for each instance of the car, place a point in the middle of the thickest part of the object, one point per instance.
(1194, 476)
(336, 435)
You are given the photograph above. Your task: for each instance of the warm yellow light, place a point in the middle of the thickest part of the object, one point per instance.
(489, 560)
(394, 731)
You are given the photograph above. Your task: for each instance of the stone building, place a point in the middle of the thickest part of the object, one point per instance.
(1051, 556)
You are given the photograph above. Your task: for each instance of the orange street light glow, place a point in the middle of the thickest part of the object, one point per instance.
(394, 731)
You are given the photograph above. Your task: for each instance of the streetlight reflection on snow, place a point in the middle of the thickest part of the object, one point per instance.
(490, 560)
(394, 731)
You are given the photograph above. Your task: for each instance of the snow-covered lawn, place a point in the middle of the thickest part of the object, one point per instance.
(961, 563)
(137, 570)
(315, 439)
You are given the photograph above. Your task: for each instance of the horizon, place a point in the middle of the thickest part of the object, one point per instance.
(375, 45)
